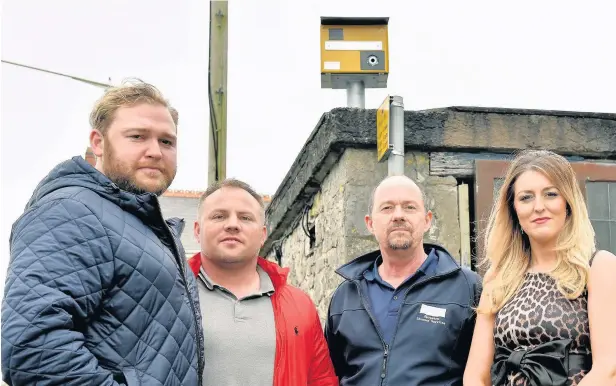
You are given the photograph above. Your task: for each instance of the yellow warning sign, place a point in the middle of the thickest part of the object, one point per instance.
(382, 130)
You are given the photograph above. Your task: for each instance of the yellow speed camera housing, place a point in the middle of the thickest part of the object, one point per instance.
(354, 49)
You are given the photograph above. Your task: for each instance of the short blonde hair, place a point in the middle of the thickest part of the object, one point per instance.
(129, 93)
(507, 248)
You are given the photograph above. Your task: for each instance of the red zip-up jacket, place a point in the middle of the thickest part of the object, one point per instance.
(302, 357)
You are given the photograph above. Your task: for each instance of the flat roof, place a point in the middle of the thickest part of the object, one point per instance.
(336, 20)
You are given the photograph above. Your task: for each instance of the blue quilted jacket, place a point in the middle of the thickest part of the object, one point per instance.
(98, 291)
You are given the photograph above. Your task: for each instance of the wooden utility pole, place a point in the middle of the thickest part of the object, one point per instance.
(217, 79)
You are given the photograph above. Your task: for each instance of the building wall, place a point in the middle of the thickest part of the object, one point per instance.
(338, 211)
(187, 209)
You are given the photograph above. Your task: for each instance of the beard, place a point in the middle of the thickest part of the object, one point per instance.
(401, 242)
(124, 174)
(399, 245)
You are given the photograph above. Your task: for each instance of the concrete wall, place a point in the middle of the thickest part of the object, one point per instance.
(337, 212)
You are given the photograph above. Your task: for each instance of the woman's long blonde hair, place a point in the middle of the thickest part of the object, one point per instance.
(507, 248)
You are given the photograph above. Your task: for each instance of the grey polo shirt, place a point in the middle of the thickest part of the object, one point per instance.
(240, 336)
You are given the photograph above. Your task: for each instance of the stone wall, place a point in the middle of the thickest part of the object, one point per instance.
(312, 267)
(337, 213)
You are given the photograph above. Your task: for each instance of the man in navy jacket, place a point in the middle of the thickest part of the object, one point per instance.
(404, 314)
(98, 290)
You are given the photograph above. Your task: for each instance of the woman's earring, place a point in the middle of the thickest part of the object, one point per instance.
(522, 231)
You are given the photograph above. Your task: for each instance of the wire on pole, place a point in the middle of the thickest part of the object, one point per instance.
(79, 79)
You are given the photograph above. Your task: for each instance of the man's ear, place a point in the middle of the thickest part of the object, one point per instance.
(368, 221)
(197, 231)
(264, 236)
(97, 143)
(428, 219)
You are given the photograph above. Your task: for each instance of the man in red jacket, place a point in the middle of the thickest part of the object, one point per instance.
(258, 330)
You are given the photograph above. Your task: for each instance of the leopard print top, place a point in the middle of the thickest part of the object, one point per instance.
(539, 313)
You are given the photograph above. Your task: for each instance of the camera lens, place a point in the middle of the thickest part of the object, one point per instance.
(373, 60)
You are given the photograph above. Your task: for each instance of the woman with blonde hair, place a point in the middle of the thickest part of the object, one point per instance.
(548, 295)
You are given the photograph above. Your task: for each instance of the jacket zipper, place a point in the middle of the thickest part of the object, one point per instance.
(376, 327)
(386, 346)
(383, 371)
(182, 267)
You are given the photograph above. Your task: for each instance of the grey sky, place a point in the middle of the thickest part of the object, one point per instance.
(543, 55)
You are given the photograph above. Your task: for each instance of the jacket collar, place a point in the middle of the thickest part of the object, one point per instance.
(77, 172)
(354, 269)
(277, 274)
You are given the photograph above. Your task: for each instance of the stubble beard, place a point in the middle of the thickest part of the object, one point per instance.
(401, 245)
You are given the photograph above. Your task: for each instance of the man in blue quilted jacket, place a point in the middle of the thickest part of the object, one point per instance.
(98, 291)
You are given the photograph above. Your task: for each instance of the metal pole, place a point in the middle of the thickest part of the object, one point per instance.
(356, 94)
(395, 162)
(217, 79)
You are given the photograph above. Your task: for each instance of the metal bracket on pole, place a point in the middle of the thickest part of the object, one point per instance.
(356, 94)
(395, 161)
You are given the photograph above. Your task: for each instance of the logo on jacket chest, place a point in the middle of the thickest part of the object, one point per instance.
(431, 314)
